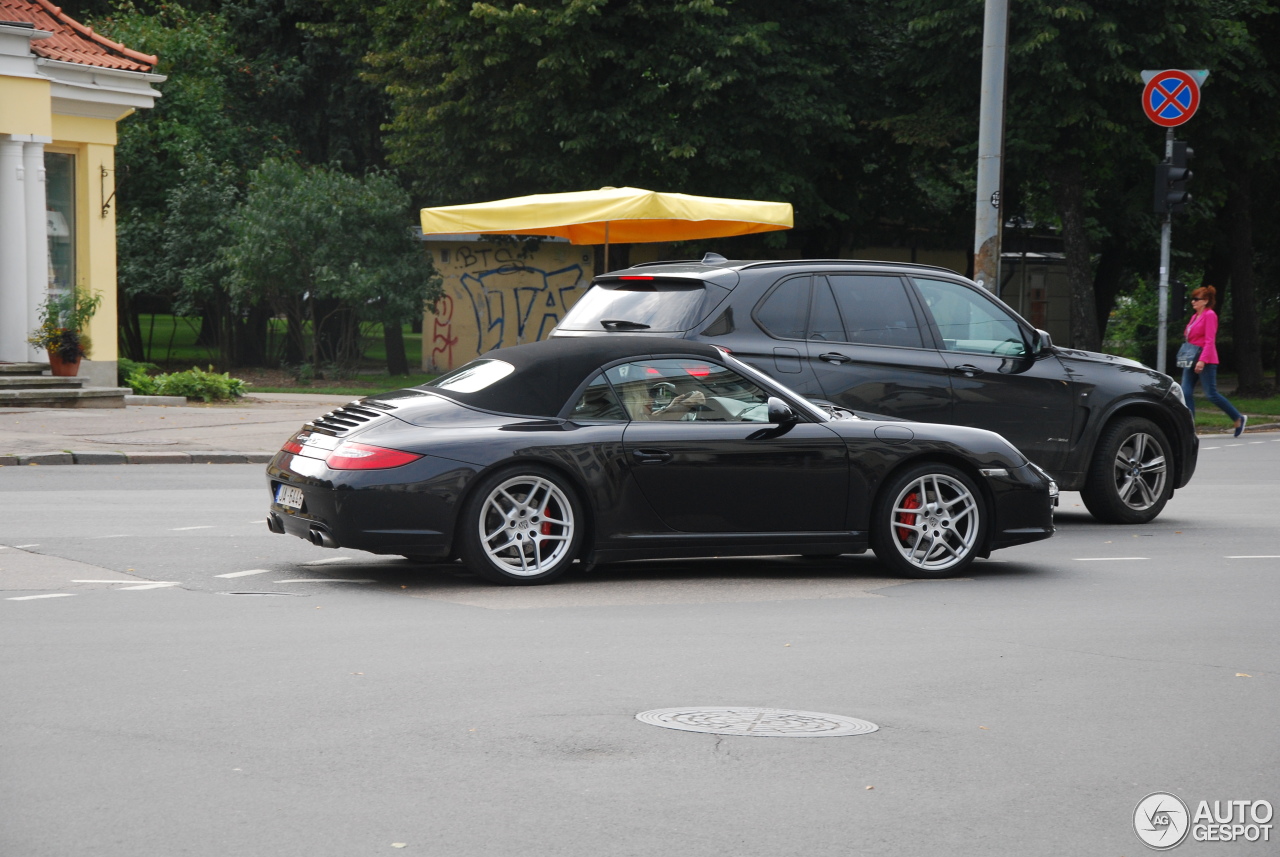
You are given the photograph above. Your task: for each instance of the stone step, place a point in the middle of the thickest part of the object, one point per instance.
(29, 382)
(84, 397)
(8, 369)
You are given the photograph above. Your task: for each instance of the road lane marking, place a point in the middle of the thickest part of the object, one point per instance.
(160, 585)
(180, 529)
(1208, 447)
(244, 573)
(34, 597)
(330, 559)
(1108, 558)
(263, 521)
(26, 546)
(326, 580)
(105, 581)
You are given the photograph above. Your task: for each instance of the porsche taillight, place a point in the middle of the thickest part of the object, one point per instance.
(361, 456)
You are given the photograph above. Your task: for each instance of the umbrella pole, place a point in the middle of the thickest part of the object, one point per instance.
(606, 247)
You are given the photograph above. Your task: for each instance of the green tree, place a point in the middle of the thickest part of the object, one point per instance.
(1077, 143)
(329, 251)
(742, 98)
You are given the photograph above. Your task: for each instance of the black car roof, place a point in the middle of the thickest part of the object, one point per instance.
(696, 267)
(547, 373)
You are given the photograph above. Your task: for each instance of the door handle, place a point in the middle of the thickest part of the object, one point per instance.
(651, 456)
(968, 370)
(835, 357)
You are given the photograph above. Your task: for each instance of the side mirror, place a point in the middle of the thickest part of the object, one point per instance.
(1043, 343)
(780, 413)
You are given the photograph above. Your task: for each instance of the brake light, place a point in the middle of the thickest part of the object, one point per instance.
(635, 278)
(360, 456)
(292, 445)
(698, 371)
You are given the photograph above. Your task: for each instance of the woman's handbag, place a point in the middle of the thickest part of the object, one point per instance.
(1188, 354)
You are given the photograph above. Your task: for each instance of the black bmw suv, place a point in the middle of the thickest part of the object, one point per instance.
(917, 342)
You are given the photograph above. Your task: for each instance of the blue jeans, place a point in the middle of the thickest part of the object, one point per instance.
(1210, 379)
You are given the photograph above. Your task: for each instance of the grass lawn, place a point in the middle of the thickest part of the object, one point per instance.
(171, 344)
(1260, 411)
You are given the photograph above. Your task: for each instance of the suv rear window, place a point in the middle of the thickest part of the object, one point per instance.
(652, 306)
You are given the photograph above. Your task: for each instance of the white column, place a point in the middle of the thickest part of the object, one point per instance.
(37, 234)
(13, 252)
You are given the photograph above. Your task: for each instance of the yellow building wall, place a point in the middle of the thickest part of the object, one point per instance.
(495, 296)
(25, 106)
(92, 141)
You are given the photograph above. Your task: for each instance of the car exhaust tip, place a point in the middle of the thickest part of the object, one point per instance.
(322, 539)
(275, 523)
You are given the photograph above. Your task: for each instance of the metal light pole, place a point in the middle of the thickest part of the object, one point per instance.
(1166, 235)
(986, 235)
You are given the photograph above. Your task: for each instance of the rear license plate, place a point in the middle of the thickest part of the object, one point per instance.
(287, 495)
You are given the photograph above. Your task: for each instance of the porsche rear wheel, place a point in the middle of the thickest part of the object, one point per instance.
(521, 525)
(929, 521)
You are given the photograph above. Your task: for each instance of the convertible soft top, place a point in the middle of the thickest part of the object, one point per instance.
(548, 372)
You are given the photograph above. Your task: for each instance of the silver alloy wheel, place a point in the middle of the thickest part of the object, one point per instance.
(935, 522)
(526, 526)
(1140, 471)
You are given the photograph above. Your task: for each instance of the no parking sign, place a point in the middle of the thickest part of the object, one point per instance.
(1172, 96)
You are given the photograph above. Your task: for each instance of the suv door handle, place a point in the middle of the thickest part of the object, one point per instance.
(835, 357)
(651, 456)
(968, 370)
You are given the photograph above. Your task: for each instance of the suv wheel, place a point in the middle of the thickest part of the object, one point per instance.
(1129, 481)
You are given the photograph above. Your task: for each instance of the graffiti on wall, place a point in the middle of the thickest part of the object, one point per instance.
(497, 296)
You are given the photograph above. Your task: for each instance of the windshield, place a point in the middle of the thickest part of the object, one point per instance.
(646, 305)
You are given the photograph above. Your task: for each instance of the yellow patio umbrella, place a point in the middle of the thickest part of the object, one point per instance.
(623, 215)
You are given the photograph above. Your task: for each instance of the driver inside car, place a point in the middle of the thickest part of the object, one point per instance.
(677, 408)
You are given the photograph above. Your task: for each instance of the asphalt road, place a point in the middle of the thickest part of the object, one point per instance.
(1023, 710)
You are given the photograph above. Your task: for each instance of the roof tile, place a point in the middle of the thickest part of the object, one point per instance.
(71, 40)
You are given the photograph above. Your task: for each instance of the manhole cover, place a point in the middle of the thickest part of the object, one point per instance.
(757, 722)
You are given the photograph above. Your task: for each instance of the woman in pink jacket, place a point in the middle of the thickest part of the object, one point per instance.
(1202, 330)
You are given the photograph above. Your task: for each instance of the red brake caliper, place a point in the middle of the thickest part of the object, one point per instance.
(546, 525)
(912, 502)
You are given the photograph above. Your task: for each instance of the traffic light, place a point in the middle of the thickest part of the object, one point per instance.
(1172, 176)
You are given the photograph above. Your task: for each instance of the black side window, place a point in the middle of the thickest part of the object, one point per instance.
(598, 402)
(825, 324)
(785, 310)
(876, 310)
(969, 321)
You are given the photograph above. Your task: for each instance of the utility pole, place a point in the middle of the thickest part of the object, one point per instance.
(987, 223)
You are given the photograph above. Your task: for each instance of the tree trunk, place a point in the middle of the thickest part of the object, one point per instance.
(1106, 286)
(1244, 301)
(1069, 190)
(393, 339)
(131, 345)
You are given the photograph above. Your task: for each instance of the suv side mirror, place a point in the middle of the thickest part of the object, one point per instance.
(1043, 343)
(780, 413)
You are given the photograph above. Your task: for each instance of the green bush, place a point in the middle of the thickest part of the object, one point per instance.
(193, 384)
(126, 369)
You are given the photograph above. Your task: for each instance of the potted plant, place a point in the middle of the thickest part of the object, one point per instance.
(61, 332)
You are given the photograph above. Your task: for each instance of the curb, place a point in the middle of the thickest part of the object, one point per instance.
(54, 458)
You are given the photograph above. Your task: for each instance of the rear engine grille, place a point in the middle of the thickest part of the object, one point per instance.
(347, 418)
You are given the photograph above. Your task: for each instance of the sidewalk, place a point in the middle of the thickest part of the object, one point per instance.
(250, 430)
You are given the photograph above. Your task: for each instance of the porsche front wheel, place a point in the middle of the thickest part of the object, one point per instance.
(521, 526)
(929, 521)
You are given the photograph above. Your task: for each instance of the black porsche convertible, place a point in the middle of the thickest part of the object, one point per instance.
(593, 450)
